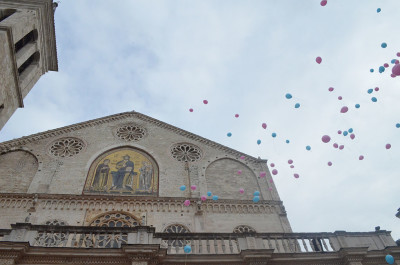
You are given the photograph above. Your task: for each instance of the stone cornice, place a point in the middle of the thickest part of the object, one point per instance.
(17, 143)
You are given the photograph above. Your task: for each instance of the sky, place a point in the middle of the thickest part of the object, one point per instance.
(162, 58)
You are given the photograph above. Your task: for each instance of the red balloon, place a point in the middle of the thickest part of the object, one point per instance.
(388, 146)
(396, 69)
(318, 60)
(344, 109)
(236, 115)
(274, 172)
(205, 101)
(324, 2)
(326, 138)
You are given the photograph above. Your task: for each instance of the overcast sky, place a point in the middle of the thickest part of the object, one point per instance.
(161, 58)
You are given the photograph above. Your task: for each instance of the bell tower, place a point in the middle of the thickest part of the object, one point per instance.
(27, 50)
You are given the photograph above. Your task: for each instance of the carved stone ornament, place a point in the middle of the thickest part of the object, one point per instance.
(131, 132)
(243, 229)
(66, 147)
(185, 152)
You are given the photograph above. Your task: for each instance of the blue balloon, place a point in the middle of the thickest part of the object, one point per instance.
(288, 96)
(256, 199)
(378, 10)
(182, 188)
(381, 69)
(209, 193)
(256, 193)
(215, 197)
(229, 134)
(383, 45)
(374, 99)
(287, 141)
(357, 106)
(297, 105)
(274, 135)
(393, 61)
(371, 70)
(308, 148)
(389, 259)
(258, 142)
(350, 130)
(397, 125)
(370, 91)
(187, 249)
(345, 133)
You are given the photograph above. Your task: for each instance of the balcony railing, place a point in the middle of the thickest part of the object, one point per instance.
(201, 243)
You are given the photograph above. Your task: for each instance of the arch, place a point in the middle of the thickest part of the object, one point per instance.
(240, 229)
(123, 171)
(176, 229)
(115, 219)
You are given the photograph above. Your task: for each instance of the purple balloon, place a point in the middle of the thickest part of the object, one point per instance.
(330, 89)
(386, 65)
(326, 138)
(290, 161)
(296, 175)
(361, 157)
(352, 136)
(329, 163)
(341, 147)
(272, 164)
(274, 172)
(339, 98)
(339, 132)
(388, 146)
(344, 109)
(376, 88)
(335, 145)
(318, 60)
(396, 69)
(291, 166)
(324, 2)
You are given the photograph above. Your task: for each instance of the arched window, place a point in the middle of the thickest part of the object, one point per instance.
(115, 219)
(243, 229)
(176, 229)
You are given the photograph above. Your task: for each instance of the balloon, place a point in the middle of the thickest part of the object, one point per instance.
(291, 166)
(296, 175)
(271, 181)
(381, 69)
(205, 101)
(290, 161)
(396, 69)
(308, 147)
(330, 89)
(203, 198)
(344, 109)
(393, 75)
(324, 2)
(242, 157)
(341, 147)
(256, 199)
(273, 135)
(258, 142)
(272, 164)
(389, 259)
(374, 99)
(236, 115)
(209, 193)
(241, 191)
(329, 163)
(370, 91)
(339, 98)
(318, 60)
(335, 145)
(383, 45)
(326, 138)
(274, 172)
(393, 61)
(287, 141)
(376, 88)
(193, 187)
(239, 172)
(388, 146)
(397, 125)
(264, 125)
(191, 110)
(350, 130)
(262, 174)
(361, 157)
(187, 249)
(352, 136)
(398, 54)
(339, 132)
(357, 106)
(182, 188)
(215, 197)
(396, 62)
(378, 10)
(256, 193)
(187, 203)
(288, 96)
(345, 133)
(297, 105)
(386, 65)
(229, 134)
(371, 70)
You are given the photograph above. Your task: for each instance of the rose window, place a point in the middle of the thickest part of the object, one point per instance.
(176, 229)
(66, 147)
(131, 133)
(186, 152)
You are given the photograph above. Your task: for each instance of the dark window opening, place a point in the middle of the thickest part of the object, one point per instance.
(1, 107)
(30, 37)
(5, 13)
(34, 58)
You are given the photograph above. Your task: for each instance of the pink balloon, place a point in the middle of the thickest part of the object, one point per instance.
(329, 163)
(339, 132)
(262, 174)
(324, 2)
(274, 172)
(242, 157)
(271, 181)
(386, 65)
(341, 147)
(296, 175)
(272, 164)
(335, 145)
(396, 69)
(330, 89)
(193, 187)
(388, 146)
(326, 138)
(191, 110)
(241, 191)
(376, 88)
(352, 136)
(270, 188)
(290, 161)
(205, 101)
(396, 62)
(264, 125)
(187, 203)
(344, 109)
(361, 157)
(393, 75)
(339, 98)
(291, 166)
(318, 60)
(203, 198)
(239, 172)
(236, 115)
(398, 54)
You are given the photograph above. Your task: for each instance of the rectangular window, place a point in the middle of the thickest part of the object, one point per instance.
(30, 37)
(5, 13)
